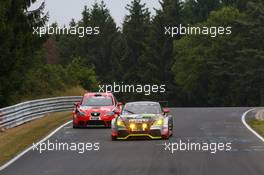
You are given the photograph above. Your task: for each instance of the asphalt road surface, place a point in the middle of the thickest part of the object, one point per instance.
(150, 157)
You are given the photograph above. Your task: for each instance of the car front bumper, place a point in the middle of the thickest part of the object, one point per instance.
(86, 122)
(123, 134)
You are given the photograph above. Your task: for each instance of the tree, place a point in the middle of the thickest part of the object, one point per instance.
(250, 57)
(135, 31)
(239, 4)
(226, 70)
(18, 45)
(199, 10)
(200, 62)
(158, 56)
(101, 45)
(93, 49)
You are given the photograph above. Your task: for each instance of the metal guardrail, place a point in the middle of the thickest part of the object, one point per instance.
(23, 112)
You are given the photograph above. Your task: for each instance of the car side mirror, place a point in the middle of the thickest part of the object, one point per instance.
(77, 104)
(119, 104)
(117, 112)
(166, 110)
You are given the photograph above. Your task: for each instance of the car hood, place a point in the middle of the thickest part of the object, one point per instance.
(140, 118)
(98, 109)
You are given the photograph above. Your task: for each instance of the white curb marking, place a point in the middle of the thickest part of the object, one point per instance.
(31, 147)
(248, 127)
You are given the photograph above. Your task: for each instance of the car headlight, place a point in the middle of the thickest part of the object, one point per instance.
(120, 123)
(111, 113)
(144, 126)
(79, 113)
(158, 122)
(132, 126)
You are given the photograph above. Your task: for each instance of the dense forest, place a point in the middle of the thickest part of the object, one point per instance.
(198, 70)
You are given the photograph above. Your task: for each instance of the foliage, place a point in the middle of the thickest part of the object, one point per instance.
(197, 70)
(221, 71)
(18, 47)
(51, 79)
(96, 49)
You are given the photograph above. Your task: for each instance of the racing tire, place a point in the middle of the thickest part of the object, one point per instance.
(171, 134)
(113, 138)
(74, 127)
(165, 137)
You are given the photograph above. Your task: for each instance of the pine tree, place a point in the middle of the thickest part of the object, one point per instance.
(135, 31)
(159, 48)
(199, 10)
(94, 50)
(101, 45)
(18, 45)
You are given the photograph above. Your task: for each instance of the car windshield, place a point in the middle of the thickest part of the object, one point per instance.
(142, 108)
(97, 101)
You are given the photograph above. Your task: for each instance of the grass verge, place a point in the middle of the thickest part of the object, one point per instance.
(15, 140)
(257, 125)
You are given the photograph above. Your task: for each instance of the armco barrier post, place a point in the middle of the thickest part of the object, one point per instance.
(1, 115)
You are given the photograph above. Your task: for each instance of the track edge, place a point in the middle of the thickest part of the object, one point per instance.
(243, 119)
(31, 147)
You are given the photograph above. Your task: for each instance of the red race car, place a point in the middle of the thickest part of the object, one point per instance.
(96, 109)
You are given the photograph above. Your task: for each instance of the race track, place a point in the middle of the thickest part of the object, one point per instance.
(149, 157)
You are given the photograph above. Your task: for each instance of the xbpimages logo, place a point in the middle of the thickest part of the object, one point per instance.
(146, 89)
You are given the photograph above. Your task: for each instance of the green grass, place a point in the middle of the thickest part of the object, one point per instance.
(257, 125)
(15, 140)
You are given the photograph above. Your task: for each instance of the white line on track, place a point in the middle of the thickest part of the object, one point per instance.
(31, 147)
(243, 119)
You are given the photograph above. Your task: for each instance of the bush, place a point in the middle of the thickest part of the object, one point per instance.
(82, 75)
(48, 80)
